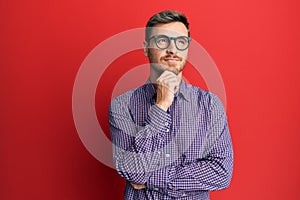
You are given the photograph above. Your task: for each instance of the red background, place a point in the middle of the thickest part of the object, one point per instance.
(255, 45)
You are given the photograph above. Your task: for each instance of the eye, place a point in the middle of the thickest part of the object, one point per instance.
(162, 40)
(182, 41)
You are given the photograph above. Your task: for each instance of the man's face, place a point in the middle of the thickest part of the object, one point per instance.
(171, 58)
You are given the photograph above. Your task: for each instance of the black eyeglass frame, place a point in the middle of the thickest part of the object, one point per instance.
(155, 37)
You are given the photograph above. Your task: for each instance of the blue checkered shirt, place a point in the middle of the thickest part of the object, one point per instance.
(180, 154)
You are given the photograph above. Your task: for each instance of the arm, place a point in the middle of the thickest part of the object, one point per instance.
(212, 171)
(134, 147)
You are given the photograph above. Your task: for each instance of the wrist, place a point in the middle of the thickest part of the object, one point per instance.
(163, 106)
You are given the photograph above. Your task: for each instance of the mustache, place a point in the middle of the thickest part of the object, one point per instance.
(172, 56)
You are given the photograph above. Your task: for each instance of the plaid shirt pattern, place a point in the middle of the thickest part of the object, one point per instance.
(180, 154)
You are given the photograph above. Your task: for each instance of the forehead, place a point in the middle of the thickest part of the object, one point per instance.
(172, 29)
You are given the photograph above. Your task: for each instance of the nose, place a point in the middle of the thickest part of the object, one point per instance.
(172, 48)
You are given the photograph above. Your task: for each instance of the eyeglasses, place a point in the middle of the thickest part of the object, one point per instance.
(163, 41)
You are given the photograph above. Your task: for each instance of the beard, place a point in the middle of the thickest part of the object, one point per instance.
(162, 66)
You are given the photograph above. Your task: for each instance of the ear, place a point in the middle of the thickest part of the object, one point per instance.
(145, 48)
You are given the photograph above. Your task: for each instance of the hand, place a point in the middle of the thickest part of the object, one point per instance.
(138, 187)
(166, 86)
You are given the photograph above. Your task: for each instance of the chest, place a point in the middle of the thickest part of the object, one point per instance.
(189, 128)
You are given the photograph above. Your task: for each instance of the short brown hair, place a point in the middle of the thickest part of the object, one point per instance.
(165, 17)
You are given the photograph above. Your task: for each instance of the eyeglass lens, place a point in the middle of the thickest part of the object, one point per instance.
(163, 42)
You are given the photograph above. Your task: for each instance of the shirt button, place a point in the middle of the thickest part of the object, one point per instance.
(156, 189)
(166, 123)
(167, 155)
(167, 130)
(158, 152)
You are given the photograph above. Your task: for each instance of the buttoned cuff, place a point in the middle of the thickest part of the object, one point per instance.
(158, 180)
(159, 119)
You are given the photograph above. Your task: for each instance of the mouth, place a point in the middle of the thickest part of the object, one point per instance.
(171, 60)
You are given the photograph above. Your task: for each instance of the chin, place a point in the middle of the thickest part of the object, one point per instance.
(174, 70)
(171, 67)
(160, 68)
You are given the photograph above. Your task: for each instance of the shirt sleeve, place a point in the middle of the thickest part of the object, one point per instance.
(135, 148)
(213, 171)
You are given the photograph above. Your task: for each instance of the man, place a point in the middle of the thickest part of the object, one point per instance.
(170, 139)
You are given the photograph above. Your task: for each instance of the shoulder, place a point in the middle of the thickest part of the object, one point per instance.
(125, 99)
(121, 100)
(204, 97)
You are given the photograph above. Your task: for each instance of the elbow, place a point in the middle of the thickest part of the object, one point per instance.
(221, 182)
(227, 180)
(223, 176)
(139, 179)
(131, 176)
(226, 177)
(228, 169)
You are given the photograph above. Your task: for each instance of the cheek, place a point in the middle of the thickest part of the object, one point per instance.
(154, 54)
(183, 55)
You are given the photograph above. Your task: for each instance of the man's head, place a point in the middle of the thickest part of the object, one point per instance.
(166, 42)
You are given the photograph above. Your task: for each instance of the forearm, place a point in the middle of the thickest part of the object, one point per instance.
(135, 147)
(134, 167)
(205, 174)
(212, 172)
(134, 164)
